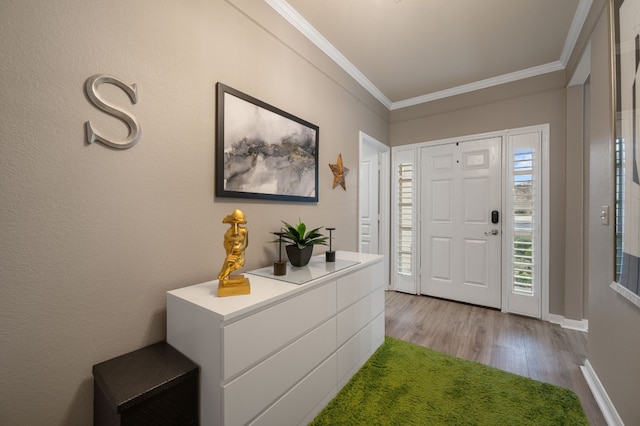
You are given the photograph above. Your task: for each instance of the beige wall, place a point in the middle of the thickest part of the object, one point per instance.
(614, 323)
(529, 102)
(575, 281)
(92, 237)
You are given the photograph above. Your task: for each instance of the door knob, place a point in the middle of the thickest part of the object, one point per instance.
(492, 232)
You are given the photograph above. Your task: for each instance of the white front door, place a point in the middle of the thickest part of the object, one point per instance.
(461, 245)
(369, 196)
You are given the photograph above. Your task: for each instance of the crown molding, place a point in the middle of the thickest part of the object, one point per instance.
(302, 25)
(574, 31)
(482, 84)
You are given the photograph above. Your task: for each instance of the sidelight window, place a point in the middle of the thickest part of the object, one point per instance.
(523, 224)
(523, 218)
(405, 218)
(404, 269)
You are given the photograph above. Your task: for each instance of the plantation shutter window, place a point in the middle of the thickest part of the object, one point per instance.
(404, 268)
(405, 218)
(523, 219)
(523, 223)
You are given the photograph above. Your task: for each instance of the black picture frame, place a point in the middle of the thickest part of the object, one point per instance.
(263, 152)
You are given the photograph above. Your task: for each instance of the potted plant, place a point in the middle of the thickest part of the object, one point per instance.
(300, 242)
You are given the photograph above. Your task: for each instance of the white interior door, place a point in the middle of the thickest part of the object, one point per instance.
(369, 200)
(461, 248)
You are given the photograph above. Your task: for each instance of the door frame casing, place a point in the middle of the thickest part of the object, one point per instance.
(384, 196)
(544, 130)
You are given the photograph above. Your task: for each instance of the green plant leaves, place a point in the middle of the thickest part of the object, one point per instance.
(299, 236)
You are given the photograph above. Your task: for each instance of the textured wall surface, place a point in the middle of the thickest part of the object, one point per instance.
(93, 237)
(614, 322)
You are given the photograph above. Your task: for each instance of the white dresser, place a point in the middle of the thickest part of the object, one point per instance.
(277, 356)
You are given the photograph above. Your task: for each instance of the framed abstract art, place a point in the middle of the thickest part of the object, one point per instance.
(263, 152)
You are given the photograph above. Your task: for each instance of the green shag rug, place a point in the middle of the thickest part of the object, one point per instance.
(406, 384)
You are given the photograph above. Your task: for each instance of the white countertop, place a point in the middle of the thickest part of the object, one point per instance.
(264, 290)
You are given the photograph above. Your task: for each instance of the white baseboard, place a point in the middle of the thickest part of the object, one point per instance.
(582, 325)
(600, 394)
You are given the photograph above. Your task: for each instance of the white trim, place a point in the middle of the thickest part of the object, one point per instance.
(574, 31)
(609, 412)
(482, 84)
(578, 325)
(626, 293)
(583, 69)
(384, 198)
(302, 25)
(546, 217)
(455, 139)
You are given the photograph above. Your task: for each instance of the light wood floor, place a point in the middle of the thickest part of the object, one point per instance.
(525, 346)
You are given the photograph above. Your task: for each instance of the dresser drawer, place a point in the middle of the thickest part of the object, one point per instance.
(305, 400)
(251, 339)
(245, 397)
(357, 350)
(355, 286)
(356, 316)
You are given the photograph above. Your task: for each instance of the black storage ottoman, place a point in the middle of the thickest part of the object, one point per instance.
(155, 385)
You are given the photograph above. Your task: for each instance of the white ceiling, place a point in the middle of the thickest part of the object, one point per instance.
(407, 52)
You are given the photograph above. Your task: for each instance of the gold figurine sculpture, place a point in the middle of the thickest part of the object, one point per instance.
(236, 240)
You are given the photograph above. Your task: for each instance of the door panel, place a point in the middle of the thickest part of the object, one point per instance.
(476, 256)
(369, 205)
(475, 202)
(442, 250)
(442, 211)
(461, 254)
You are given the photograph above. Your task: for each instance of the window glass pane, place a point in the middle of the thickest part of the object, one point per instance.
(523, 208)
(405, 219)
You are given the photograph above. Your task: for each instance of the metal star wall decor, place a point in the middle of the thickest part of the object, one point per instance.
(339, 173)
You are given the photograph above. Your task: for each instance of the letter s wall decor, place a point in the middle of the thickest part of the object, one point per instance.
(91, 87)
